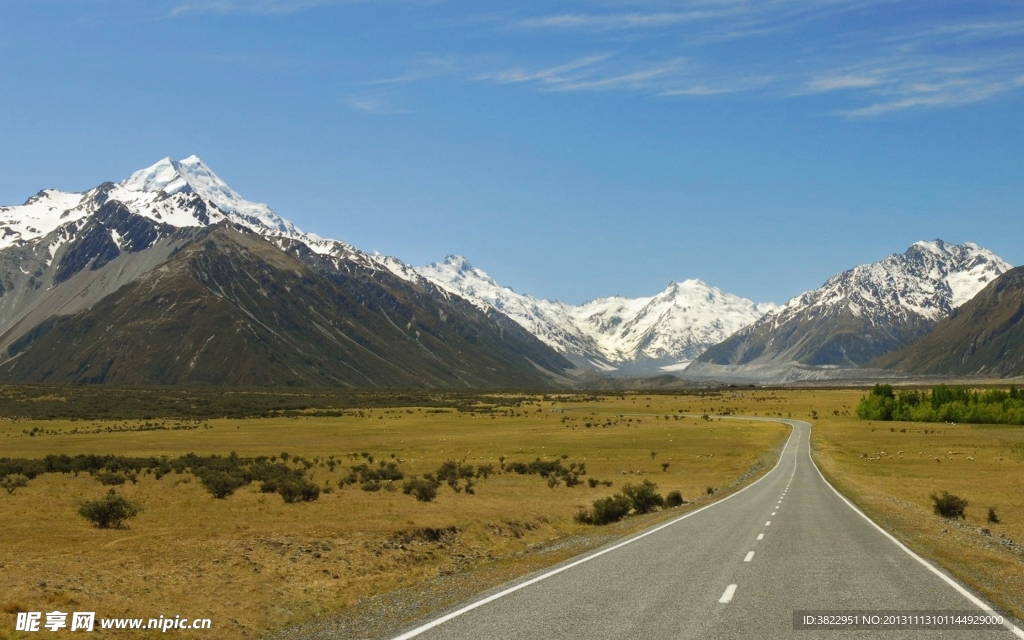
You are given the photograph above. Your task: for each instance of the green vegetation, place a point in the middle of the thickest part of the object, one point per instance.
(639, 498)
(944, 404)
(220, 476)
(13, 482)
(109, 512)
(948, 505)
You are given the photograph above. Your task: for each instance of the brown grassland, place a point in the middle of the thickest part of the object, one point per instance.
(254, 564)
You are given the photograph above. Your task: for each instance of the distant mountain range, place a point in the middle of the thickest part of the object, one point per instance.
(171, 277)
(857, 315)
(623, 335)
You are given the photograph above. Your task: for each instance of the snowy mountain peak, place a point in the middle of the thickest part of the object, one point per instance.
(191, 175)
(666, 330)
(928, 281)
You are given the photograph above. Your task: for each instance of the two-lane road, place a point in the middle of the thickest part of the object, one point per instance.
(738, 568)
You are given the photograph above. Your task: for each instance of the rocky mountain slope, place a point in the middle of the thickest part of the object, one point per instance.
(170, 277)
(626, 335)
(983, 337)
(857, 315)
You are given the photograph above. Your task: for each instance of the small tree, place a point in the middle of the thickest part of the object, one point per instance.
(296, 489)
(644, 496)
(605, 510)
(948, 505)
(221, 484)
(109, 512)
(13, 481)
(420, 488)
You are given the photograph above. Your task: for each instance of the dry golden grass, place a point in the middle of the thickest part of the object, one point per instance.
(252, 563)
(890, 469)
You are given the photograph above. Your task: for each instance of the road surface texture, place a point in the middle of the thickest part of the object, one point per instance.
(738, 568)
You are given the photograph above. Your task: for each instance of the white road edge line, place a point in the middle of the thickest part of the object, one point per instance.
(730, 591)
(544, 576)
(750, 556)
(978, 602)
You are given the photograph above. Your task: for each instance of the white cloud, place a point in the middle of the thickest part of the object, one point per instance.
(373, 105)
(606, 22)
(558, 74)
(251, 6)
(833, 83)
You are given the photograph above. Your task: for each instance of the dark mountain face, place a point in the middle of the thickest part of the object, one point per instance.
(983, 337)
(230, 308)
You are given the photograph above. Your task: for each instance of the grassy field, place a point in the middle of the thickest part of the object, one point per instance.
(253, 564)
(890, 469)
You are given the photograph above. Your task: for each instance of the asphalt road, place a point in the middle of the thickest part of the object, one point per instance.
(739, 568)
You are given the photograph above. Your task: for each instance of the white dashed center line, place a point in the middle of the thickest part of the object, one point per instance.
(768, 524)
(730, 591)
(760, 536)
(773, 513)
(750, 556)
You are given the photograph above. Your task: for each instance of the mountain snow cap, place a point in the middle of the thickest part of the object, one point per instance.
(191, 175)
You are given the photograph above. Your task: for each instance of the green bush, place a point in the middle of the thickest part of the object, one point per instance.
(297, 489)
(644, 497)
(108, 478)
(221, 484)
(948, 505)
(420, 488)
(605, 510)
(12, 482)
(674, 499)
(109, 512)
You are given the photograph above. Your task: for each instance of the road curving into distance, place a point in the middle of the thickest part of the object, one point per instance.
(739, 568)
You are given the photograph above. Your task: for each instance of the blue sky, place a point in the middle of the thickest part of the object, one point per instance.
(571, 149)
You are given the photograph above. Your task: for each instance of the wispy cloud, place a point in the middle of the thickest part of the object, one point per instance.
(948, 94)
(572, 71)
(834, 83)
(251, 6)
(373, 105)
(853, 58)
(607, 22)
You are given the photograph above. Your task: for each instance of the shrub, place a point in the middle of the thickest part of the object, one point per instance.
(221, 484)
(592, 482)
(108, 478)
(12, 482)
(993, 517)
(420, 488)
(948, 505)
(109, 512)
(605, 510)
(296, 489)
(674, 499)
(644, 496)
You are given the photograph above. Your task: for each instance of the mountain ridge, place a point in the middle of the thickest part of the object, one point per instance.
(982, 337)
(859, 314)
(659, 333)
(69, 272)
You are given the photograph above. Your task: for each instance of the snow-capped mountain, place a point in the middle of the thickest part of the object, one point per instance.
(664, 331)
(175, 193)
(170, 276)
(864, 312)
